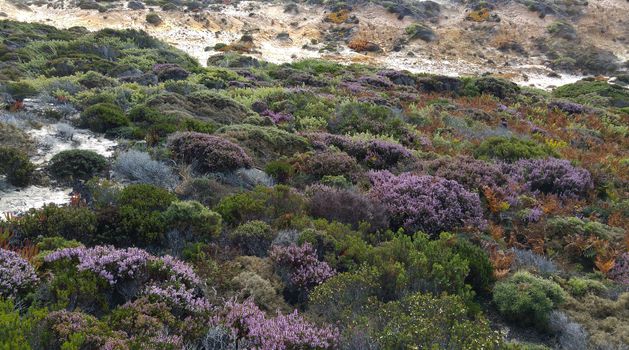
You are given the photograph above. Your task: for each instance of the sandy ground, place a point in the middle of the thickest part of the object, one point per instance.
(462, 48)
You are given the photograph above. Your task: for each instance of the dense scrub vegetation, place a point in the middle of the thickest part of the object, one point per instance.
(308, 205)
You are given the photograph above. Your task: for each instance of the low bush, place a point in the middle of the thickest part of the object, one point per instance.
(511, 149)
(327, 163)
(263, 203)
(554, 176)
(16, 166)
(140, 210)
(103, 117)
(154, 19)
(138, 167)
(345, 206)
(434, 322)
(527, 299)
(194, 217)
(17, 276)
(207, 152)
(425, 203)
(253, 237)
(68, 222)
(356, 117)
(76, 164)
(481, 276)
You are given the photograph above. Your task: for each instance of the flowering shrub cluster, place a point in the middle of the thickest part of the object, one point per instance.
(375, 153)
(248, 324)
(301, 266)
(553, 175)
(16, 274)
(166, 278)
(208, 152)
(567, 106)
(471, 173)
(105, 261)
(426, 203)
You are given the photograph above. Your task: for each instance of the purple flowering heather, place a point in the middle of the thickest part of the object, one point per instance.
(376, 154)
(566, 106)
(250, 325)
(179, 296)
(426, 203)
(301, 265)
(178, 270)
(556, 176)
(165, 278)
(106, 261)
(471, 173)
(16, 274)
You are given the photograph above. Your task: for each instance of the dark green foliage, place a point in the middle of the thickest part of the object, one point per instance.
(154, 19)
(481, 276)
(497, 87)
(280, 170)
(527, 299)
(140, 210)
(68, 222)
(16, 166)
(76, 164)
(263, 203)
(253, 237)
(594, 93)
(103, 117)
(193, 216)
(511, 149)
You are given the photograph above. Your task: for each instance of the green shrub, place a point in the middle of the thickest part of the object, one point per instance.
(193, 216)
(481, 276)
(76, 164)
(263, 203)
(594, 93)
(265, 141)
(16, 166)
(253, 237)
(527, 299)
(154, 19)
(581, 286)
(68, 222)
(280, 170)
(511, 149)
(16, 328)
(359, 117)
(428, 322)
(140, 209)
(103, 117)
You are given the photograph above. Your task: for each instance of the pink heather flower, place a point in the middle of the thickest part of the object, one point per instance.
(247, 322)
(304, 269)
(179, 271)
(181, 297)
(106, 261)
(16, 274)
(426, 203)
